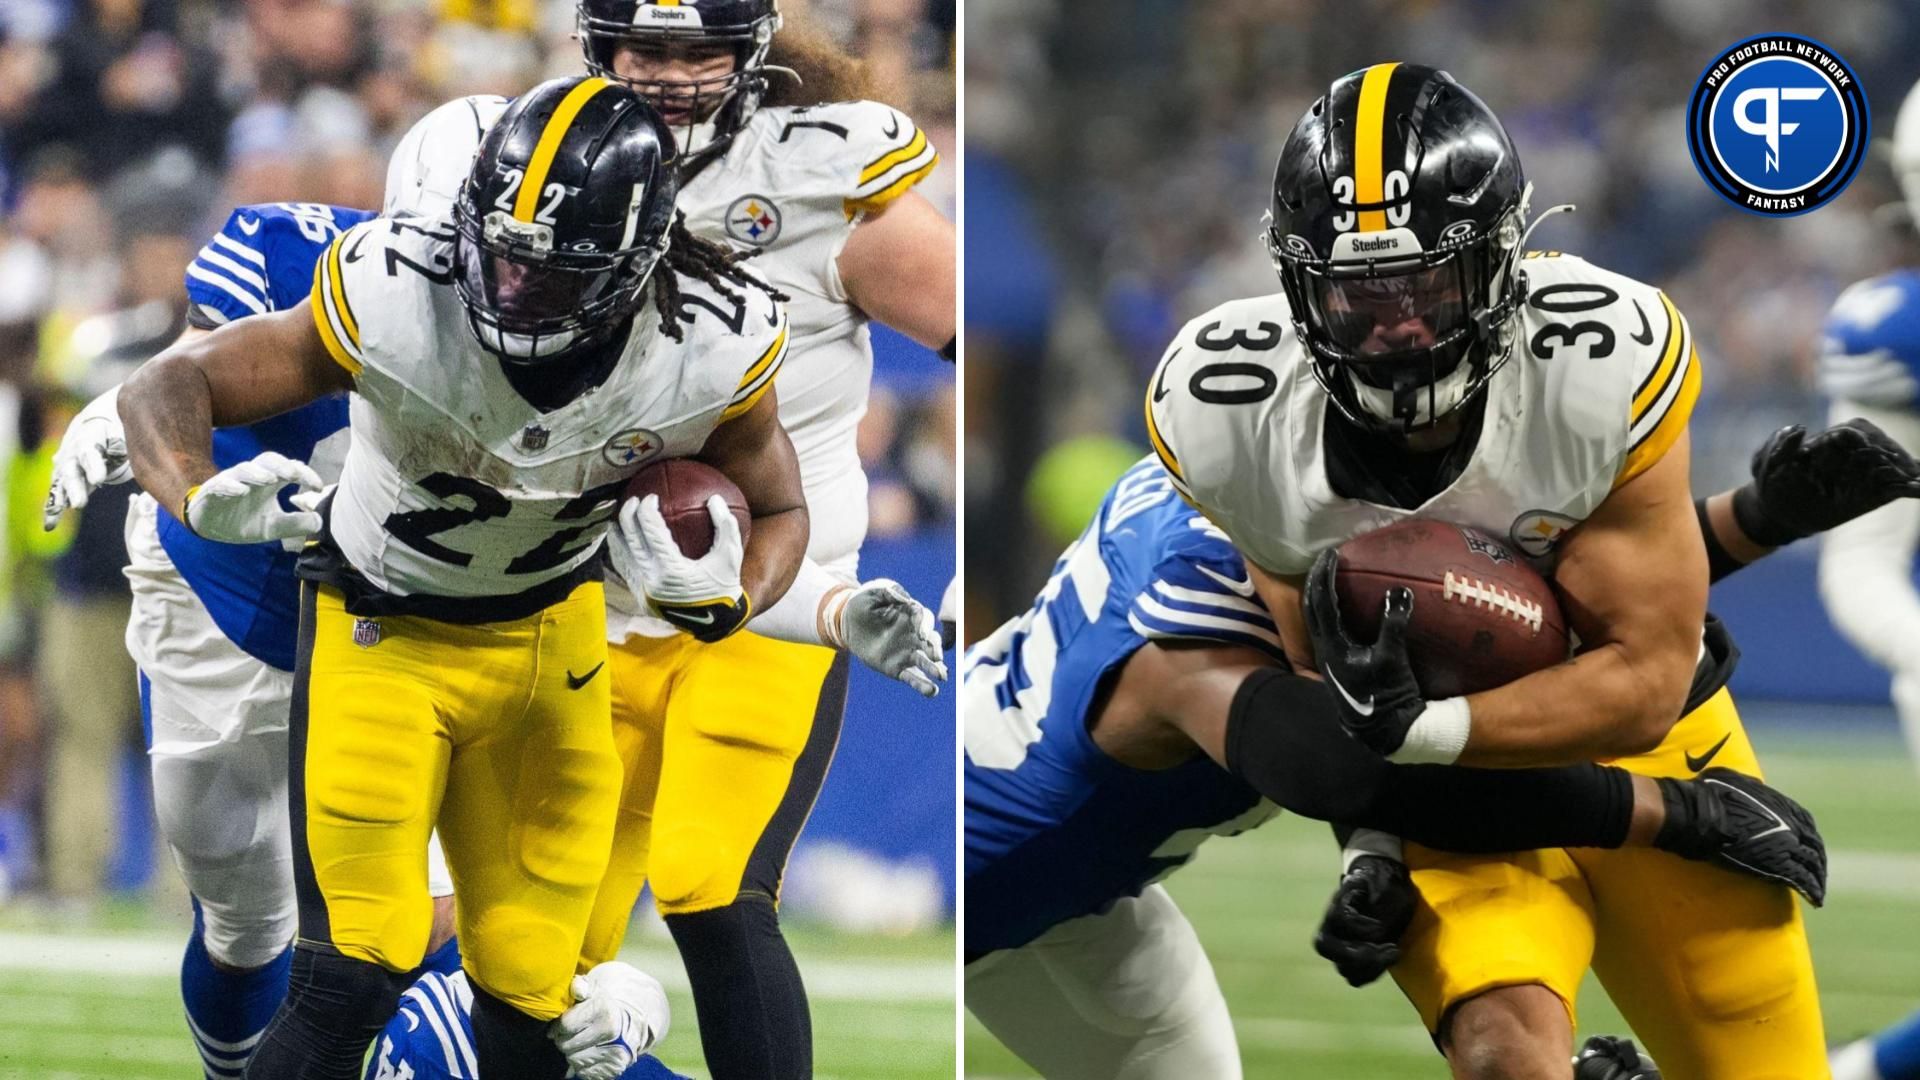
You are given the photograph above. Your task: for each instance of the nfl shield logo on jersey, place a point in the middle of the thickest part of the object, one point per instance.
(533, 438)
(366, 633)
(753, 219)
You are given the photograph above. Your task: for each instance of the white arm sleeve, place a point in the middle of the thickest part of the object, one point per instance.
(1866, 565)
(796, 616)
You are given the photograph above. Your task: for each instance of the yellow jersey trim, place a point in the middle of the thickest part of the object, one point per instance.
(1160, 447)
(551, 136)
(1655, 385)
(758, 379)
(1655, 444)
(873, 204)
(894, 157)
(323, 303)
(1369, 145)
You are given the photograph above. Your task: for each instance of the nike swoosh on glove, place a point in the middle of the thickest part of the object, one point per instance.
(1608, 1057)
(92, 454)
(619, 1012)
(241, 505)
(703, 596)
(1379, 700)
(1737, 822)
(890, 632)
(1370, 910)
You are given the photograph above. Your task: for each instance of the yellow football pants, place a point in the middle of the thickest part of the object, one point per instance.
(500, 733)
(725, 747)
(1710, 968)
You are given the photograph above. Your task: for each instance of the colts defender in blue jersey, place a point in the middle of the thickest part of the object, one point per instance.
(213, 630)
(1141, 706)
(1870, 368)
(431, 1037)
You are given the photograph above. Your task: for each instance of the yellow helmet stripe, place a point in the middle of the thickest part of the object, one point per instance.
(1369, 145)
(543, 151)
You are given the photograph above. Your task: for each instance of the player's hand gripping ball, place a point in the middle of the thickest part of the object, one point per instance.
(681, 540)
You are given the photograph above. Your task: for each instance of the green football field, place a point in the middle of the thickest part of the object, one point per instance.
(102, 1005)
(1257, 898)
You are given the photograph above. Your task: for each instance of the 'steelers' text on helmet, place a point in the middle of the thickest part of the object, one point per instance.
(1396, 220)
(563, 219)
(716, 108)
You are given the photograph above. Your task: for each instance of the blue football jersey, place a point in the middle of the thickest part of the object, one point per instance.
(431, 1037)
(261, 260)
(1056, 829)
(1870, 351)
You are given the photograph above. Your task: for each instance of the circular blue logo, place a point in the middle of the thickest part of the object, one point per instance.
(1777, 124)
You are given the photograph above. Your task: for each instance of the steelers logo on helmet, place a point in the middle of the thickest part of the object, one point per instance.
(675, 53)
(1396, 220)
(754, 219)
(562, 220)
(1778, 125)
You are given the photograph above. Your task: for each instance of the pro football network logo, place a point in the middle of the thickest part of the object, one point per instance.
(1778, 125)
(753, 219)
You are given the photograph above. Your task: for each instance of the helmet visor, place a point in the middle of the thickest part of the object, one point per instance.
(529, 294)
(1377, 315)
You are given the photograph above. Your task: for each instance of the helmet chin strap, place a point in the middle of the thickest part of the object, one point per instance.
(523, 347)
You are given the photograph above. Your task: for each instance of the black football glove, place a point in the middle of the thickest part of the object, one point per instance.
(1607, 1057)
(1804, 484)
(1734, 821)
(1369, 912)
(1379, 699)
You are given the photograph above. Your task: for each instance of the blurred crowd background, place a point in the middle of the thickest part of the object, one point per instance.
(128, 130)
(1120, 155)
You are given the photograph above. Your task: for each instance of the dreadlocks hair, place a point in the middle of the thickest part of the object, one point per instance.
(715, 264)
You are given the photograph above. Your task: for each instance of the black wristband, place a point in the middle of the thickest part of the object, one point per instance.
(1285, 740)
(1750, 513)
(1720, 561)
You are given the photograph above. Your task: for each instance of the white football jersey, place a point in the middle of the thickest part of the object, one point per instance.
(1602, 379)
(456, 486)
(792, 185)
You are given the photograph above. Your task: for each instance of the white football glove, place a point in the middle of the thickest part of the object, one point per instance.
(950, 615)
(887, 630)
(92, 454)
(700, 596)
(619, 1012)
(241, 505)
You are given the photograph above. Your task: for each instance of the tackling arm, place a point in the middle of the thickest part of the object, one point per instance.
(1866, 566)
(754, 452)
(244, 372)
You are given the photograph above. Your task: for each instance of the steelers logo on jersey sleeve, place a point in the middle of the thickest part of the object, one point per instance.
(753, 219)
(1538, 532)
(631, 447)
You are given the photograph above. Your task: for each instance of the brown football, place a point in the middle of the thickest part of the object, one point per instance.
(684, 486)
(1482, 617)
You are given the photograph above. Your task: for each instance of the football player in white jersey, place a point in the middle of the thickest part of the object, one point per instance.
(727, 745)
(512, 366)
(1417, 365)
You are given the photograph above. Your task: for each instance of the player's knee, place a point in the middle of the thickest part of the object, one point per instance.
(244, 938)
(523, 959)
(1519, 1033)
(694, 869)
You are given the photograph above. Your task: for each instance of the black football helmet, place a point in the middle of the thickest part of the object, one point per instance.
(715, 108)
(563, 218)
(1397, 218)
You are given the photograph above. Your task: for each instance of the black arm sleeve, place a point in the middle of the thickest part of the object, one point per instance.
(1720, 561)
(1284, 738)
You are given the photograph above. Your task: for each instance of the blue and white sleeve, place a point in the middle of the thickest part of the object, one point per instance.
(1870, 346)
(1208, 600)
(431, 1037)
(227, 280)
